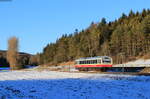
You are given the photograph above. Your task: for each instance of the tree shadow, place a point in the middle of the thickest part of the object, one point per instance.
(74, 89)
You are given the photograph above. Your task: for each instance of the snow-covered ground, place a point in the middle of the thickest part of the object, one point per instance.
(140, 61)
(63, 85)
(136, 63)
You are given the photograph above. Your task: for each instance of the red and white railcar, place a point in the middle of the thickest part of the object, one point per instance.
(93, 62)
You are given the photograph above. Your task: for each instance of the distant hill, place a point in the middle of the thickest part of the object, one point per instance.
(23, 58)
(4, 51)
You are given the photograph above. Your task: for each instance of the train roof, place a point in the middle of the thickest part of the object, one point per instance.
(92, 58)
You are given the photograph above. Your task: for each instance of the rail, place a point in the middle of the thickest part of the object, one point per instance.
(131, 65)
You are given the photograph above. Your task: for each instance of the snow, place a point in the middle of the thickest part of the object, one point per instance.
(4, 68)
(64, 85)
(140, 61)
(136, 63)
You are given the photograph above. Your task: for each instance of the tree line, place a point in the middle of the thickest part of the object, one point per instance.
(122, 39)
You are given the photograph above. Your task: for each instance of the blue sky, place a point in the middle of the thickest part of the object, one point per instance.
(39, 22)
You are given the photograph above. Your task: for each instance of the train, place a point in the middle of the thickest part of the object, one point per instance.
(105, 63)
(93, 63)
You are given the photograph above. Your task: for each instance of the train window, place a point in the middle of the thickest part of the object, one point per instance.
(106, 61)
(99, 61)
(106, 57)
(83, 62)
(87, 62)
(91, 61)
(79, 62)
(94, 61)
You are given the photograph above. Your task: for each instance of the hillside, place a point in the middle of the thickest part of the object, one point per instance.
(23, 57)
(124, 40)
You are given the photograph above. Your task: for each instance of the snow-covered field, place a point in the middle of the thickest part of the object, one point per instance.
(61, 85)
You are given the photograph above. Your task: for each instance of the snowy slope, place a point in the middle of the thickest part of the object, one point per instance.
(140, 61)
(61, 85)
(136, 63)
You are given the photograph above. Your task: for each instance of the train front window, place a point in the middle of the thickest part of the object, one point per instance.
(106, 61)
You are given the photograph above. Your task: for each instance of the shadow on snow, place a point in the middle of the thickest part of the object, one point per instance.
(120, 88)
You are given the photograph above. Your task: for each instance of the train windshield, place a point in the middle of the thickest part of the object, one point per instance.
(107, 61)
(104, 61)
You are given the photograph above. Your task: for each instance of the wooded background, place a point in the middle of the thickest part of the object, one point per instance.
(123, 39)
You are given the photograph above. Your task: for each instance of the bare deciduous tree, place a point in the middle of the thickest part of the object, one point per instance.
(12, 53)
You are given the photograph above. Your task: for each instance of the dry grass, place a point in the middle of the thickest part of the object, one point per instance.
(145, 70)
(69, 63)
(146, 56)
(65, 66)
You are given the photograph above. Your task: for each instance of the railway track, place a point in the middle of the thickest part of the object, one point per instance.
(122, 73)
(98, 72)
